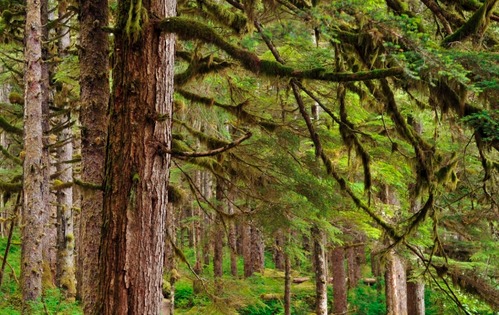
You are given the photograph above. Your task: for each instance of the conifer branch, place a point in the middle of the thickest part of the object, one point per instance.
(7, 154)
(11, 187)
(5, 125)
(206, 153)
(191, 29)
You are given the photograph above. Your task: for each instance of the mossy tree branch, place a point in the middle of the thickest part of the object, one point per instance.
(11, 157)
(476, 24)
(5, 125)
(10, 187)
(191, 29)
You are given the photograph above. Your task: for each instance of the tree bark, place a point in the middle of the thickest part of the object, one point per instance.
(257, 249)
(246, 248)
(395, 285)
(65, 277)
(94, 95)
(36, 164)
(279, 259)
(415, 298)
(339, 280)
(218, 233)
(232, 236)
(320, 272)
(287, 285)
(137, 168)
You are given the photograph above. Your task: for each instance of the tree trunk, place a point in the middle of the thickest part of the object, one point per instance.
(339, 280)
(36, 164)
(287, 285)
(170, 265)
(246, 248)
(137, 165)
(320, 271)
(232, 236)
(415, 297)
(355, 260)
(257, 249)
(94, 95)
(218, 232)
(279, 259)
(395, 285)
(65, 277)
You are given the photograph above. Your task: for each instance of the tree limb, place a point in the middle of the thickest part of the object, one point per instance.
(191, 29)
(206, 153)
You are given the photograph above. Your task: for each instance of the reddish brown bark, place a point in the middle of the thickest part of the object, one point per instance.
(339, 280)
(137, 168)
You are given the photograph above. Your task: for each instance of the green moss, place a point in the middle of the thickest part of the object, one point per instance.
(137, 16)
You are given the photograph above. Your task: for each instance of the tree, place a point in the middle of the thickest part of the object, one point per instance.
(36, 159)
(65, 276)
(94, 95)
(137, 162)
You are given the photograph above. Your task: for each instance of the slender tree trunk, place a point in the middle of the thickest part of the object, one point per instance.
(170, 265)
(36, 164)
(94, 94)
(287, 285)
(320, 271)
(232, 237)
(65, 277)
(137, 165)
(246, 248)
(339, 280)
(279, 251)
(355, 260)
(218, 235)
(395, 286)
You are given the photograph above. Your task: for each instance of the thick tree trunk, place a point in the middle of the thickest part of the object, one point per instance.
(137, 165)
(65, 277)
(339, 280)
(94, 94)
(395, 285)
(320, 271)
(415, 298)
(36, 164)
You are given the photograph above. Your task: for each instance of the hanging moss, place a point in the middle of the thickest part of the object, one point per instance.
(191, 29)
(236, 21)
(136, 17)
(477, 24)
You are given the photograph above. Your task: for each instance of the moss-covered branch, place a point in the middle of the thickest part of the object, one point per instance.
(238, 111)
(10, 187)
(213, 152)
(5, 125)
(476, 24)
(7, 154)
(235, 20)
(86, 185)
(191, 29)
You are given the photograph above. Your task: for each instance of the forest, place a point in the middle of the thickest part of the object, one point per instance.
(250, 157)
